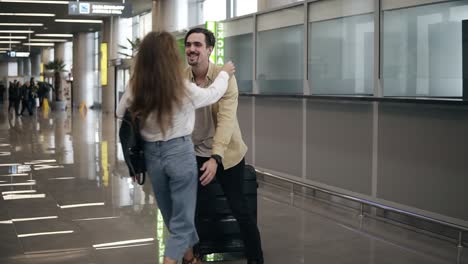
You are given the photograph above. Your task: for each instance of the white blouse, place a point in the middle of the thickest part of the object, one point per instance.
(183, 120)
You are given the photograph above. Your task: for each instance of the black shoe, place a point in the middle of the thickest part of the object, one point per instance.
(257, 261)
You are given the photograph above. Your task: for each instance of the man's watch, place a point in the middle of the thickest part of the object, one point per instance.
(218, 159)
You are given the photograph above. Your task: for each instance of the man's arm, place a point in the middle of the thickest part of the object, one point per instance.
(226, 118)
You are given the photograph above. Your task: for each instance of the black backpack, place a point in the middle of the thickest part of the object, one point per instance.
(132, 147)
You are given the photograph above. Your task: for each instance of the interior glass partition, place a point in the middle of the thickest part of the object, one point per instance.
(422, 48)
(341, 47)
(238, 47)
(280, 51)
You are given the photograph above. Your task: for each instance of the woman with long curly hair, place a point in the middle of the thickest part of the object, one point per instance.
(165, 103)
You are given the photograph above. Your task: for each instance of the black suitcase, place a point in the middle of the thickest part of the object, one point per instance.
(218, 230)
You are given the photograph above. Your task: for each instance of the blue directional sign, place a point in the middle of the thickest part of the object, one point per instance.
(99, 9)
(84, 8)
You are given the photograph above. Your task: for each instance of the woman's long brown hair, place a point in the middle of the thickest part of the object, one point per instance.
(157, 81)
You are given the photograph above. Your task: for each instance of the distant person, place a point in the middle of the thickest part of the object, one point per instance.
(2, 92)
(42, 91)
(14, 97)
(26, 97)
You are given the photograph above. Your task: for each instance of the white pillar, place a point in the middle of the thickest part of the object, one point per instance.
(174, 15)
(27, 68)
(63, 52)
(110, 33)
(20, 68)
(47, 55)
(84, 84)
(156, 26)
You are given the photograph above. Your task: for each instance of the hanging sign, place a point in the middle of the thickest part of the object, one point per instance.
(99, 9)
(18, 54)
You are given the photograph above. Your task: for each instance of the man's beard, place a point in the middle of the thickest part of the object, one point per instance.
(195, 61)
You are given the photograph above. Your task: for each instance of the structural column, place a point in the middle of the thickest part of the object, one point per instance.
(63, 52)
(465, 59)
(84, 79)
(47, 55)
(36, 66)
(110, 35)
(20, 67)
(174, 15)
(155, 11)
(27, 68)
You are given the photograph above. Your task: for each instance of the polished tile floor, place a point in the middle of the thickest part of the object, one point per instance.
(66, 199)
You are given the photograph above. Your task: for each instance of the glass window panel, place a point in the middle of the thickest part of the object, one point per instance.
(12, 68)
(238, 47)
(244, 7)
(329, 9)
(341, 47)
(135, 27)
(145, 25)
(280, 52)
(282, 18)
(214, 10)
(125, 34)
(276, 3)
(422, 50)
(395, 4)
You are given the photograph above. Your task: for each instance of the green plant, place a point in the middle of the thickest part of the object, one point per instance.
(57, 66)
(134, 45)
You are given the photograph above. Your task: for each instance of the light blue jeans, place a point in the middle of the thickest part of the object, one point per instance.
(172, 167)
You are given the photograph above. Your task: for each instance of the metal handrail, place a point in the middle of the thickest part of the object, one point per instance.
(371, 203)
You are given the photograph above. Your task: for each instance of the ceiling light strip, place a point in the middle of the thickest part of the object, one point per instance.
(124, 242)
(62, 178)
(22, 24)
(17, 184)
(9, 164)
(39, 161)
(10, 197)
(34, 218)
(15, 175)
(39, 44)
(96, 218)
(35, 2)
(126, 246)
(16, 31)
(28, 14)
(79, 205)
(41, 166)
(92, 21)
(14, 192)
(49, 40)
(55, 35)
(46, 233)
(13, 37)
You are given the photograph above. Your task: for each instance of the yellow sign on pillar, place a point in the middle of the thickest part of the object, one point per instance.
(103, 63)
(104, 164)
(41, 73)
